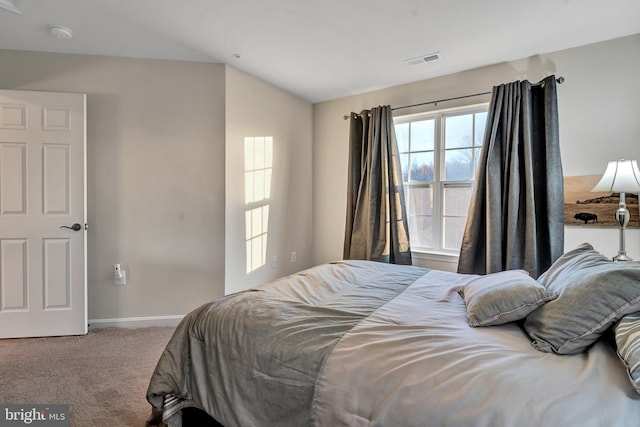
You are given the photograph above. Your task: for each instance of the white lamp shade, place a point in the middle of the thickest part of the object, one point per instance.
(621, 176)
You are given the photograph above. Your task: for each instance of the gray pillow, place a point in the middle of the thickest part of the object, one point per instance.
(593, 294)
(627, 333)
(503, 297)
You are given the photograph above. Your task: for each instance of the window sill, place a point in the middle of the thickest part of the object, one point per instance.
(435, 256)
(436, 260)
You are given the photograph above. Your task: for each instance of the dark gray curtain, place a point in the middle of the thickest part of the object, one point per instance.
(516, 216)
(376, 227)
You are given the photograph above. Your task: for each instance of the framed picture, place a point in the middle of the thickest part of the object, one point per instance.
(586, 209)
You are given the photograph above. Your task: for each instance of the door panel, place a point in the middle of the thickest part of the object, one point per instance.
(55, 170)
(42, 190)
(13, 280)
(13, 181)
(57, 266)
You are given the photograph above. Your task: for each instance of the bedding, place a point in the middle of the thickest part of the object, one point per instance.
(358, 343)
(507, 296)
(593, 294)
(627, 336)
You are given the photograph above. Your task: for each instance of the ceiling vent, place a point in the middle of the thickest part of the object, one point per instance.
(60, 32)
(424, 58)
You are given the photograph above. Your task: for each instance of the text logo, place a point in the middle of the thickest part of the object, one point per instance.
(34, 415)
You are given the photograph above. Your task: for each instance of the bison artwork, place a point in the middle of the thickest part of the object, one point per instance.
(586, 217)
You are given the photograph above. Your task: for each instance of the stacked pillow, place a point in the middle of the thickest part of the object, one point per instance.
(569, 307)
(593, 294)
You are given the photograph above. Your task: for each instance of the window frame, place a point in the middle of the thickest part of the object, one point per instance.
(439, 182)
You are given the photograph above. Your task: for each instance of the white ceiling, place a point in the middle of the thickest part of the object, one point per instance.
(321, 49)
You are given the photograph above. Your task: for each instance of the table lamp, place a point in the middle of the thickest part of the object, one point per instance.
(622, 176)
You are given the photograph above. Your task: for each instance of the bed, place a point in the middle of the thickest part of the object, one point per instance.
(358, 343)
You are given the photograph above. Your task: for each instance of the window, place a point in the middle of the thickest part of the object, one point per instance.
(439, 153)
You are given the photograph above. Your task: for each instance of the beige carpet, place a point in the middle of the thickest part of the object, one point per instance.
(103, 375)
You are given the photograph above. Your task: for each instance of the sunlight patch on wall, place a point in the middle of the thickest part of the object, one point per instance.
(258, 168)
(257, 226)
(258, 158)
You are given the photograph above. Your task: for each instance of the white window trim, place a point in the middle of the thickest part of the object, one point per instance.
(435, 256)
(439, 255)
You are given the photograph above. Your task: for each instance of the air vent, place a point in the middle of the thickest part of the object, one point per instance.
(424, 58)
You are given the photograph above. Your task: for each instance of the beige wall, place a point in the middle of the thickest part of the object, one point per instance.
(157, 202)
(163, 136)
(598, 112)
(155, 155)
(255, 108)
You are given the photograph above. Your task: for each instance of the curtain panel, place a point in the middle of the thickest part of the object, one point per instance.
(376, 225)
(516, 215)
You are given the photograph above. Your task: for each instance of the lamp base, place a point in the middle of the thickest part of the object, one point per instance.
(621, 257)
(622, 218)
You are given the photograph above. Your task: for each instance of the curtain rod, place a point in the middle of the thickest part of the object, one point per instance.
(560, 80)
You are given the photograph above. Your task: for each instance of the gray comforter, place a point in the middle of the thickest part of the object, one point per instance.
(369, 344)
(253, 358)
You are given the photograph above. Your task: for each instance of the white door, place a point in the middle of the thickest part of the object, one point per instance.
(42, 190)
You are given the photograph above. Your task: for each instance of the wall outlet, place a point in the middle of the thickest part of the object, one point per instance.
(274, 261)
(119, 275)
(294, 256)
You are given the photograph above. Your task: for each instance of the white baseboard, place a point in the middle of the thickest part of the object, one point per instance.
(135, 322)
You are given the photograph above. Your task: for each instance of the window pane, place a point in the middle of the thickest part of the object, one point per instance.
(422, 167)
(458, 165)
(419, 200)
(404, 164)
(459, 131)
(481, 122)
(421, 231)
(476, 161)
(402, 137)
(453, 231)
(423, 135)
(456, 200)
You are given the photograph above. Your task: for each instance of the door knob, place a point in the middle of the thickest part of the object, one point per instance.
(74, 227)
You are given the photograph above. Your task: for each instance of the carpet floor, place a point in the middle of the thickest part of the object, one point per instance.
(103, 375)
